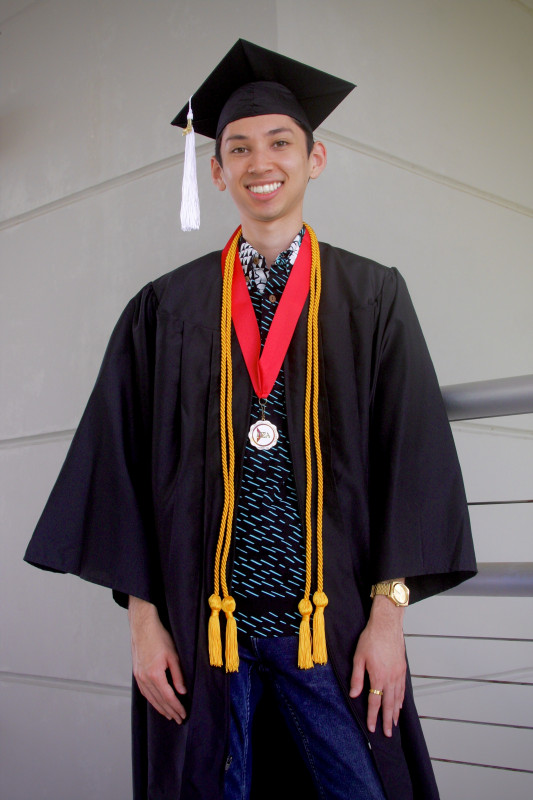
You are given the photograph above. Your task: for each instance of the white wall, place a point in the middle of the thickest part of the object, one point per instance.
(430, 169)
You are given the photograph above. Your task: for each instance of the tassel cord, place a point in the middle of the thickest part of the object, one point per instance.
(316, 427)
(228, 416)
(306, 641)
(227, 604)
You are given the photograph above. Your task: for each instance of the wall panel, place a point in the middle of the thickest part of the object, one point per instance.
(57, 625)
(499, 747)
(60, 302)
(481, 783)
(63, 744)
(440, 83)
(91, 88)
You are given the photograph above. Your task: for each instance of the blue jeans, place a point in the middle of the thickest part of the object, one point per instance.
(330, 741)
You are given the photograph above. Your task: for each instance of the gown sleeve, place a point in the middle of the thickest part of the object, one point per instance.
(98, 521)
(419, 514)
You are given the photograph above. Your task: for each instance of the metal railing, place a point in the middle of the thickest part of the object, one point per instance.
(497, 398)
(483, 400)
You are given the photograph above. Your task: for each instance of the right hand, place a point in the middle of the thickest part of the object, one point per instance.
(153, 652)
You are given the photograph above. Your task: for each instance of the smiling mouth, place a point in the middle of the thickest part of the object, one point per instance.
(266, 188)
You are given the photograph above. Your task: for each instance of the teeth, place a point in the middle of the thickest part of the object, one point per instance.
(266, 188)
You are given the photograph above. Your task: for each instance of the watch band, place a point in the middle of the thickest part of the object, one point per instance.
(395, 590)
(383, 587)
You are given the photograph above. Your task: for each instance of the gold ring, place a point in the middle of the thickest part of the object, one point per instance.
(376, 691)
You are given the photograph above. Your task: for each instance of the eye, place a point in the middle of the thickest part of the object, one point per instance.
(239, 150)
(281, 143)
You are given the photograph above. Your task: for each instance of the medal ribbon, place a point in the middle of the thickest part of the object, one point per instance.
(264, 367)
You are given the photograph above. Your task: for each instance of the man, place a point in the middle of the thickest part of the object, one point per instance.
(273, 469)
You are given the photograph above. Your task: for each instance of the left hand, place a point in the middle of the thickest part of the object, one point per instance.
(381, 652)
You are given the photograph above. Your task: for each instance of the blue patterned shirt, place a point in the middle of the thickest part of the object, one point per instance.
(269, 567)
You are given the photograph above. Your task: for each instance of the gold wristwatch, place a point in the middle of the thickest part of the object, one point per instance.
(396, 591)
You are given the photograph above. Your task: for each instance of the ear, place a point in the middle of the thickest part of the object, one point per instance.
(318, 159)
(217, 175)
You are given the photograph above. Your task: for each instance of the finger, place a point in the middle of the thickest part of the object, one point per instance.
(398, 702)
(177, 675)
(172, 704)
(387, 710)
(358, 676)
(374, 704)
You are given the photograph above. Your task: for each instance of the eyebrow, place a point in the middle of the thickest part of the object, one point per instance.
(274, 132)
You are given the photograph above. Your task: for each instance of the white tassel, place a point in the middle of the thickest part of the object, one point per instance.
(190, 205)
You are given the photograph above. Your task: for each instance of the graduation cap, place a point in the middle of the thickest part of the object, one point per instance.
(248, 82)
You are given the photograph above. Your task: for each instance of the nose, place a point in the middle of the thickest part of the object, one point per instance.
(259, 162)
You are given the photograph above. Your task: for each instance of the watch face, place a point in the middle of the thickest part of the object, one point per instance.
(400, 593)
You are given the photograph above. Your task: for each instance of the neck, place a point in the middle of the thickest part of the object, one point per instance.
(270, 239)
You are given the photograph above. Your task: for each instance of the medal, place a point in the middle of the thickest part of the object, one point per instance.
(263, 434)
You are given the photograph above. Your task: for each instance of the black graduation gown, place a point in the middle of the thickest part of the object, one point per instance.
(137, 504)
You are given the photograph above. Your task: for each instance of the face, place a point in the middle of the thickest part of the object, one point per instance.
(266, 168)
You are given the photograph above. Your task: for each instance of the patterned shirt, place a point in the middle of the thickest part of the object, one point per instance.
(269, 568)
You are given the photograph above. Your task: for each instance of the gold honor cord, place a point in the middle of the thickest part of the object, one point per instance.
(228, 472)
(307, 655)
(309, 651)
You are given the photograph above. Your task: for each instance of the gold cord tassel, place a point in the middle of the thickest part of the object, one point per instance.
(232, 648)
(305, 661)
(320, 652)
(213, 632)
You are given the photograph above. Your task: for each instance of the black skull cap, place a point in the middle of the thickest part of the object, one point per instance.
(251, 81)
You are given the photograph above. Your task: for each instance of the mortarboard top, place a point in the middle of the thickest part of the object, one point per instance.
(311, 97)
